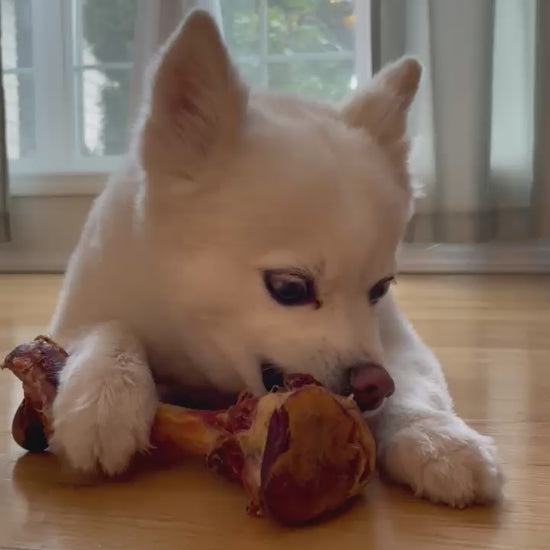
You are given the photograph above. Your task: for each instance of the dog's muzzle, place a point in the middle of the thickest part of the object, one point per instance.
(370, 384)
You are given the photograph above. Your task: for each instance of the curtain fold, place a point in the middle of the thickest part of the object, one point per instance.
(4, 180)
(473, 126)
(460, 57)
(541, 190)
(480, 128)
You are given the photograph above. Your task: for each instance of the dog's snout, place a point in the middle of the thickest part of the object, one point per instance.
(370, 384)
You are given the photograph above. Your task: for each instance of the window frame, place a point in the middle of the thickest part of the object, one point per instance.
(58, 167)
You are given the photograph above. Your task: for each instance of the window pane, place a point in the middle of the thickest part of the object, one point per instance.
(251, 73)
(321, 80)
(108, 28)
(19, 101)
(16, 34)
(316, 36)
(310, 26)
(104, 108)
(241, 26)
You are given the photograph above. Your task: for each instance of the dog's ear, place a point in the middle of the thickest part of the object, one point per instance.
(197, 100)
(382, 108)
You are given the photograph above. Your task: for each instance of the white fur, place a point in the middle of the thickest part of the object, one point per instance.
(103, 414)
(422, 442)
(220, 185)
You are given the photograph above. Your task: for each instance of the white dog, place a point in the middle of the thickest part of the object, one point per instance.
(250, 235)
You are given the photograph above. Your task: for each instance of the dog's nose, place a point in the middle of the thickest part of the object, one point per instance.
(370, 384)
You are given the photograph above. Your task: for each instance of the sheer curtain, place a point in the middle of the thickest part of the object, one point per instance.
(541, 194)
(480, 127)
(474, 132)
(4, 190)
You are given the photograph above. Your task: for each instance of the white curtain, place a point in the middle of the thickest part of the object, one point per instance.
(541, 191)
(479, 152)
(4, 182)
(473, 127)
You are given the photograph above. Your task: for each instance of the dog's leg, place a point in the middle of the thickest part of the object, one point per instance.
(422, 442)
(106, 402)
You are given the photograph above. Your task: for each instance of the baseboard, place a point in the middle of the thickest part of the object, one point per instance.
(475, 258)
(32, 266)
(437, 258)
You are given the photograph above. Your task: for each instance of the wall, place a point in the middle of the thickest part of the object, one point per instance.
(44, 232)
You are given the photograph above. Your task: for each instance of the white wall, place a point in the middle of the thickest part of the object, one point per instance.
(44, 232)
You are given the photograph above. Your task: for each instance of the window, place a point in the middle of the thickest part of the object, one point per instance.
(102, 62)
(303, 46)
(19, 85)
(68, 69)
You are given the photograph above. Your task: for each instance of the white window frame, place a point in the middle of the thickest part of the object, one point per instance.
(58, 167)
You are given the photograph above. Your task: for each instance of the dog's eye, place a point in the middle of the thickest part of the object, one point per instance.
(290, 289)
(379, 290)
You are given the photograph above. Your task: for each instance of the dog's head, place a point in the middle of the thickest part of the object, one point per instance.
(276, 220)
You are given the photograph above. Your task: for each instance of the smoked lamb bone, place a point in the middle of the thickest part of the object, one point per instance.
(299, 452)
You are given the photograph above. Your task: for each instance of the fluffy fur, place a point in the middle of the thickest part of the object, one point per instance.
(165, 286)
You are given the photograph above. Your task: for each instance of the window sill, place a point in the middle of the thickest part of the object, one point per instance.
(85, 177)
(62, 184)
(71, 166)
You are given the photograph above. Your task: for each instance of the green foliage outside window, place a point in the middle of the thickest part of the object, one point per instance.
(294, 27)
(108, 28)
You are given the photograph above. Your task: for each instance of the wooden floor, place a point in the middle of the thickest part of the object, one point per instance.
(492, 335)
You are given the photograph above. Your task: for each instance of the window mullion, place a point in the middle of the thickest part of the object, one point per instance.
(77, 75)
(68, 80)
(264, 46)
(363, 49)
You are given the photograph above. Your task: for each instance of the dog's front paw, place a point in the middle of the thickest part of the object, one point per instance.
(103, 413)
(444, 460)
